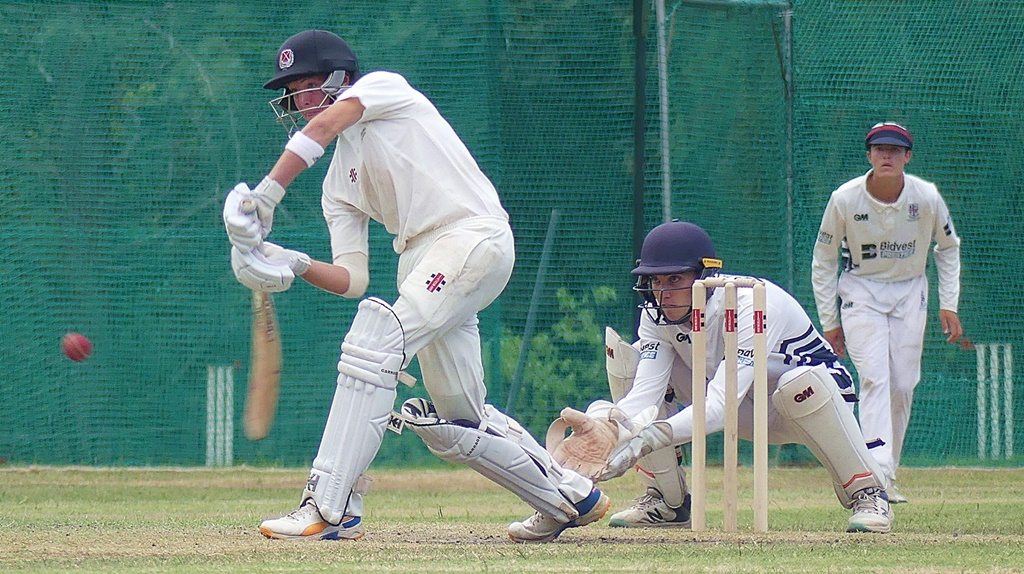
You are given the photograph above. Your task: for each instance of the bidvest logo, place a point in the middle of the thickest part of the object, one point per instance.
(888, 250)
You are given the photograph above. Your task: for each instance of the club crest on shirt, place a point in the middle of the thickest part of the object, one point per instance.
(825, 237)
(913, 212)
(353, 175)
(436, 282)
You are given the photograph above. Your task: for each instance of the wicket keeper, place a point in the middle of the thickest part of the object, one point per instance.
(811, 392)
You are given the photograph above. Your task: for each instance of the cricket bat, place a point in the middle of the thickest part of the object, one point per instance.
(264, 368)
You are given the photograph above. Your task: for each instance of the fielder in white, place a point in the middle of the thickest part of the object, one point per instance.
(874, 237)
(811, 392)
(398, 162)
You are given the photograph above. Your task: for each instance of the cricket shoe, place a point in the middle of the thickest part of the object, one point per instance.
(871, 512)
(543, 528)
(894, 495)
(306, 523)
(651, 510)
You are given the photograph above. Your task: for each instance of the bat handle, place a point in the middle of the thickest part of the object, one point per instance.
(248, 206)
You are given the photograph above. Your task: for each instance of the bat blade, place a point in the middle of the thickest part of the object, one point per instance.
(264, 368)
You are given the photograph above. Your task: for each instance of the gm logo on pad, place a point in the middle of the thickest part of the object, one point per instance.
(804, 395)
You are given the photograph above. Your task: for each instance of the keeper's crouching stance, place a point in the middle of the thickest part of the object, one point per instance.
(812, 393)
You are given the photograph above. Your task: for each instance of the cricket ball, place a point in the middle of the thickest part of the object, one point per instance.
(76, 346)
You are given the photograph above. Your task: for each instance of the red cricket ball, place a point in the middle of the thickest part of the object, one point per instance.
(76, 346)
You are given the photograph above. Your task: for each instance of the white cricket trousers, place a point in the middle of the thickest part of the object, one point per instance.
(445, 277)
(883, 324)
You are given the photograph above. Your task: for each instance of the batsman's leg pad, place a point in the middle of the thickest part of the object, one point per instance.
(502, 451)
(620, 363)
(810, 399)
(372, 357)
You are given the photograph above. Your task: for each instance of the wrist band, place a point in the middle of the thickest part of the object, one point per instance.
(305, 147)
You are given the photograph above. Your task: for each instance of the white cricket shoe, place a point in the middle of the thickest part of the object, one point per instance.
(651, 510)
(871, 512)
(543, 528)
(894, 495)
(306, 523)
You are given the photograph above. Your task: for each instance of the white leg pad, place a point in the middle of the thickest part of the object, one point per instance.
(503, 452)
(372, 357)
(620, 363)
(810, 399)
(661, 469)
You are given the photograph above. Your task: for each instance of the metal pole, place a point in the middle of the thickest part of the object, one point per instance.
(666, 160)
(538, 286)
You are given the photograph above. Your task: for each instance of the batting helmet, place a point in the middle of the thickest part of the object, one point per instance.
(312, 53)
(672, 248)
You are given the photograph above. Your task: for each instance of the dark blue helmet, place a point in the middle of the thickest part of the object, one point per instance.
(311, 53)
(672, 248)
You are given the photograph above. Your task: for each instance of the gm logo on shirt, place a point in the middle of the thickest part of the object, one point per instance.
(860, 217)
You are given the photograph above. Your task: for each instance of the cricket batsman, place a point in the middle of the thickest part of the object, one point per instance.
(398, 162)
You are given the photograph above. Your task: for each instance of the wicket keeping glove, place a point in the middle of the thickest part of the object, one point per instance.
(586, 450)
(655, 436)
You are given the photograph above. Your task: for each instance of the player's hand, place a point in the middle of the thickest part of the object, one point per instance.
(586, 450)
(297, 261)
(837, 340)
(951, 326)
(654, 436)
(258, 273)
(266, 196)
(242, 226)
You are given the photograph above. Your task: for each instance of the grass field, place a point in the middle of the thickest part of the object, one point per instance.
(453, 521)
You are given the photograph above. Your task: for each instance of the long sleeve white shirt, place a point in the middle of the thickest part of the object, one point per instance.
(884, 242)
(792, 342)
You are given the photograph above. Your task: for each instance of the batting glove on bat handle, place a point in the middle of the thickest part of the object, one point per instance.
(297, 261)
(242, 226)
(266, 196)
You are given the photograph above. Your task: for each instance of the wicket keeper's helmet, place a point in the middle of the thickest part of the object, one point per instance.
(312, 53)
(672, 248)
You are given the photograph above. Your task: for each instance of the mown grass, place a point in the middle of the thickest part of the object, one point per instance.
(453, 521)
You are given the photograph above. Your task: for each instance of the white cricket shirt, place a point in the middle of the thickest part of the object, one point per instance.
(402, 165)
(792, 342)
(884, 242)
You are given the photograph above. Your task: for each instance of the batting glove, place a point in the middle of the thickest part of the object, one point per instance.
(266, 196)
(297, 261)
(654, 436)
(258, 273)
(243, 226)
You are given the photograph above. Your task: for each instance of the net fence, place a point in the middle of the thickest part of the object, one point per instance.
(128, 122)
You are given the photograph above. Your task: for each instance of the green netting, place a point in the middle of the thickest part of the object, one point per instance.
(128, 121)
